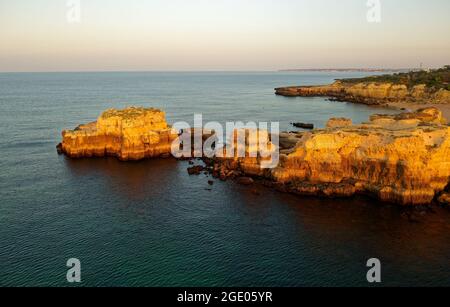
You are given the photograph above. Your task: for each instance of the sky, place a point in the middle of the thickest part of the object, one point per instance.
(227, 35)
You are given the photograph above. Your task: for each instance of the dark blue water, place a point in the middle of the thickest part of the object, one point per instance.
(150, 224)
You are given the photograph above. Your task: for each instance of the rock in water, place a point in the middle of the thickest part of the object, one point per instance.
(128, 134)
(195, 170)
(245, 181)
(59, 149)
(303, 125)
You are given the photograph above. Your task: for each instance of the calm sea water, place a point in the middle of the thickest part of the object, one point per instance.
(150, 224)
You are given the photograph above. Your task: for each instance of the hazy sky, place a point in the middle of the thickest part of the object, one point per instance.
(221, 35)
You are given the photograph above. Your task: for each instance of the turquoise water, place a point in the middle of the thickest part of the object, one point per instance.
(150, 224)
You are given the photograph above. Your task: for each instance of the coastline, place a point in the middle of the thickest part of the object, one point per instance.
(384, 157)
(414, 87)
(413, 107)
(136, 209)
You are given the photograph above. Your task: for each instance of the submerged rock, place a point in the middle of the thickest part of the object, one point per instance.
(129, 134)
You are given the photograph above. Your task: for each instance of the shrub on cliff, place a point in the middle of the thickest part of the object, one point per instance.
(434, 79)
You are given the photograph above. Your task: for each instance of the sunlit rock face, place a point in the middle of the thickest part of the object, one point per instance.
(402, 158)
(253, 154)
(397, 158)
(372, 93)
(338, 122)
(128, 134)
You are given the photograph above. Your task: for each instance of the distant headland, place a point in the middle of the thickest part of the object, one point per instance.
(406, 90)
(387, 70)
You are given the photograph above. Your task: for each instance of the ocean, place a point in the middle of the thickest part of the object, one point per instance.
(149, 223)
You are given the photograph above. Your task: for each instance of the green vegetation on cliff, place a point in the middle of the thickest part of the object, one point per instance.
(434, 79)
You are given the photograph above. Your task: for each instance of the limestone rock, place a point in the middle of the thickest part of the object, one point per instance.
(128, 134)
(398, 158)
(371, 93)
(339, 122)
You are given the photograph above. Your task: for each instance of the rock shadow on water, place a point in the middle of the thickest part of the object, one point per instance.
(138, 180)
(343, 232)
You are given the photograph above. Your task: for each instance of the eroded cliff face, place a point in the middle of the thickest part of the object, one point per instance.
(370, 93)
(403, 159)
(129, 134)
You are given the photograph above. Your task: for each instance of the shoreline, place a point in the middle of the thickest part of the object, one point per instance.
(342, 160)
(413, 107)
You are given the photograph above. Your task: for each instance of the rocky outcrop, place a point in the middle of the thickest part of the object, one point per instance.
(129, 134)
(444, 199)
(338, 122)
(397, 158)
(402, 158)
(371, 93)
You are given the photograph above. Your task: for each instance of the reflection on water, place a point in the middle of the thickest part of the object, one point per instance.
(151, 224)
(338, 234)
(129, 180)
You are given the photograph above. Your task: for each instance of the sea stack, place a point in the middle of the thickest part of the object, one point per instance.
(128, 134)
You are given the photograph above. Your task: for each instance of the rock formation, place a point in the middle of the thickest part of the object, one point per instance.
(371, 93)
(402, 158)
(129, 134)
(444, 199)
(397, 158)
(339, 122)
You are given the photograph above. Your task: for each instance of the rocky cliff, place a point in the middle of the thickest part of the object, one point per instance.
(371, 93)
(403, 159)
(129, 134)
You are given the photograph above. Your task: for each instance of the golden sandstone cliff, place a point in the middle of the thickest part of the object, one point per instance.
(129, 134)
(403, 159)
(371, 93)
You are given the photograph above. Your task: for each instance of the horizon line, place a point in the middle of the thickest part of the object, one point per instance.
(369, 69)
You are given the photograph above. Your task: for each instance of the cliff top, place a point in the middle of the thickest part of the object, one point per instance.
(115, 122)
(130, 112)
(434, 79)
